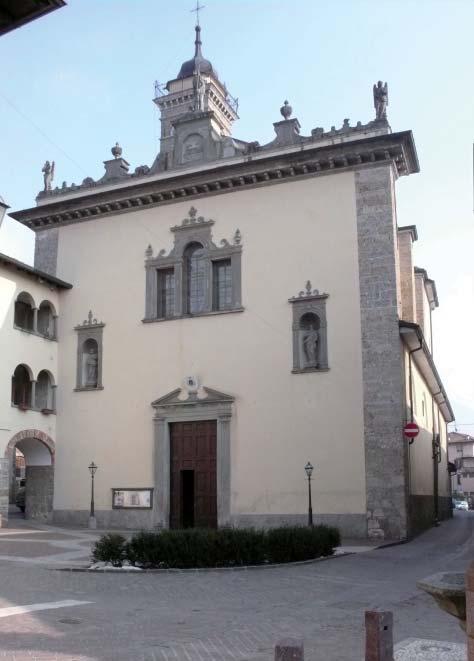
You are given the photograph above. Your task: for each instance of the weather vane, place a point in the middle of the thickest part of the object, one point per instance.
(198, 8)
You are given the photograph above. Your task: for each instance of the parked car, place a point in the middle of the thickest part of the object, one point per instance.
(20, 498)
(461, 505)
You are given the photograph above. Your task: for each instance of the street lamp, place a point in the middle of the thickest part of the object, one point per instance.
(309, 471)
(92, 519)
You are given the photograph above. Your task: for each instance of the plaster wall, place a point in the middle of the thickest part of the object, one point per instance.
(427, 318)
(458, 450)
(443, 474)
(466, 486)
(423, 317)
(429, 418)
(17, 346)
(291, 232)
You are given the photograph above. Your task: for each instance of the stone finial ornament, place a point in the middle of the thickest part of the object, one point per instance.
(237, 237)
(116, 151)
(90, 321)
(193, 218)
(149, 252)
(286, 110)
(380, 100)
(308, 292)
(48, 175)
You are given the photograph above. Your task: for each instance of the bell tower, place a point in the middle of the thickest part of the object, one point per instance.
(196, 94)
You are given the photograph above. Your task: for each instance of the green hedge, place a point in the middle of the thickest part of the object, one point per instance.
(110, 548)
(226, 547)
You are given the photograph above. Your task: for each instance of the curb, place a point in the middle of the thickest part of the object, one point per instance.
(196, 570)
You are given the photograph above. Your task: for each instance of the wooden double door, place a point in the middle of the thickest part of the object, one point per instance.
(193, 474)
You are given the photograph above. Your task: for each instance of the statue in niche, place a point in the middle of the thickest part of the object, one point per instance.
(380, 100)
(48, 175)
(310, 342)
(91, 362)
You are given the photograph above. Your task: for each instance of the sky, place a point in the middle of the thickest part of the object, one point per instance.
(82, 78)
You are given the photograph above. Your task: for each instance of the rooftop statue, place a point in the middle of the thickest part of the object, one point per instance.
(48, 175)
(380, 100)
(199, 91)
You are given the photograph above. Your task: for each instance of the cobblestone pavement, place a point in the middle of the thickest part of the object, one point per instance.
(219, 615)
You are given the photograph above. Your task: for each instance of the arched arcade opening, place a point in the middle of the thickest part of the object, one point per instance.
(37, 448)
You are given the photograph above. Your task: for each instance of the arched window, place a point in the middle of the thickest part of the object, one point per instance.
(196, 276)
(44, 391)
(24, 312)
(90, 364)
(21, 387)
(46, 320)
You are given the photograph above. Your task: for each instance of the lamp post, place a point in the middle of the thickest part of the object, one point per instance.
(92, 519)
(309, 471)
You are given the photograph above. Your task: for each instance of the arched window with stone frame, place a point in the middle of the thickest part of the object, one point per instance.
(310, 346)
(22, 387)
(25, 312)
(197, 277)
(45, 392)
(89, 354)
(47, 318)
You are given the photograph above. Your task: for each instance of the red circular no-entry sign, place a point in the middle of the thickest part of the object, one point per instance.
(411, 430)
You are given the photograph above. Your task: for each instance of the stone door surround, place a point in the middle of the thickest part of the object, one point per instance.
(207, 404)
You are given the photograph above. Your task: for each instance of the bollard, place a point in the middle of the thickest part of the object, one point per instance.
(289, 649)
(378, 636)
(470, 612)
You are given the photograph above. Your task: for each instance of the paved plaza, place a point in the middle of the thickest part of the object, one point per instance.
(48, 613)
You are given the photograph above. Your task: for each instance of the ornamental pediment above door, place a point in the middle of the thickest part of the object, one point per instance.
(202, 398)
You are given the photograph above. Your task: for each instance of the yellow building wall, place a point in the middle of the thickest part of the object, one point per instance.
(291, 232)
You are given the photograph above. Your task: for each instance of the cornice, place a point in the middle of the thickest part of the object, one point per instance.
(396, 149)
(410, 331)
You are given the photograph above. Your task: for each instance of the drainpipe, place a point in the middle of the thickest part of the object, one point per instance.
(410, 380)
(410, 390)
(436, 444)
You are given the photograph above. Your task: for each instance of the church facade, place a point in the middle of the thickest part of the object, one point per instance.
(236, 311)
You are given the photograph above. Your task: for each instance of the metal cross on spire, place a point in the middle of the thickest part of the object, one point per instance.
(197, 10)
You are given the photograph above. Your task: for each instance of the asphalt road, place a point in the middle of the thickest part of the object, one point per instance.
(223, 615)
